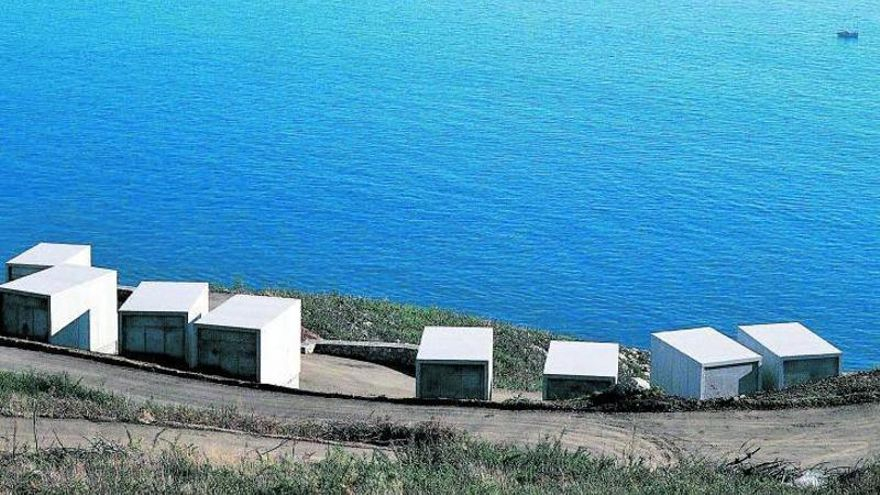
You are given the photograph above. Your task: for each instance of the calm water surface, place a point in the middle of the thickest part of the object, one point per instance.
(603, 168)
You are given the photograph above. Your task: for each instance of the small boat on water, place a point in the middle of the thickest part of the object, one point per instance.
(851, 32)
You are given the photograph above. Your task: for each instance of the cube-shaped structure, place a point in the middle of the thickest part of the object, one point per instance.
(156, 321)
(702, 363)
(66, 305)
(455, 363)
(45, 255)
(792, 354)
(576, 369)
(252, 338)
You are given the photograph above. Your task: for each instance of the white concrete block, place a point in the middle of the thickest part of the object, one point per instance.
(455, 363)
(157, 320)
(76, 307)
(45, 255)
(575, 369)
(792, 354)
(702, 363)
(253, 337)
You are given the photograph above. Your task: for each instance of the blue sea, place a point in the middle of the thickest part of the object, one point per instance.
(605, 168)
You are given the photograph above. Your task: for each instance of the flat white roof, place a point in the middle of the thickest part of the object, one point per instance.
(251, 312)
(48, 254)
(708, 346)
(164, 297)
(587, 359)
(456, 344)
(790, 340)
(56, 279)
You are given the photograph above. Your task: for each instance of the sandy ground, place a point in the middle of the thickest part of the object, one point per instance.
(331, 374)
(837, 436)
(216, 447)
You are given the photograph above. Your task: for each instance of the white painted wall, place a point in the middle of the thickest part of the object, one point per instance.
(772, 376)
(198, 310)
(98, 298)
(674, 372)
(279, 344)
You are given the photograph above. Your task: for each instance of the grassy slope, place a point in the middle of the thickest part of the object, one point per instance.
(449, 468)
(57, 396)
(519, 351)
(434, 460)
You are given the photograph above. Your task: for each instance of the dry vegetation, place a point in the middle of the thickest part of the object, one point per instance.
(855, 388)
(456, 467)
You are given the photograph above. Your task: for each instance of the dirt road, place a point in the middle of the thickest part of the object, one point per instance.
(216, 447)
(838, 436)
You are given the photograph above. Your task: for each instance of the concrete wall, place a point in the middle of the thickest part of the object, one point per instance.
(771, 365)
(98, 297)
(400, 357)
(280, 349)
(83, 317)
(270, 355)
(674, 372)
(29, 316)
(678, 374)
(730, 381)
(453, 380)
(75, 334)
(561, 388)
(160, 336)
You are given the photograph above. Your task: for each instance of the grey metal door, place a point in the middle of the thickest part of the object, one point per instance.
(228, 351)
(452, 381)
(799, 371)
(158, 335)
(26, 317)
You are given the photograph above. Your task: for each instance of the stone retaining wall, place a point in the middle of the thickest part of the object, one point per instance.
(400, 357)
